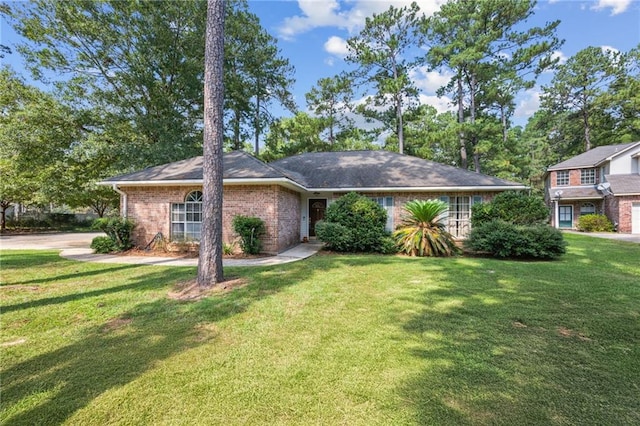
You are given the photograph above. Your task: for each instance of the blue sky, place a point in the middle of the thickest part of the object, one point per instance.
(312, 35)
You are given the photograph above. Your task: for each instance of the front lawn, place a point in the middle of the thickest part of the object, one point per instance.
(352, 340)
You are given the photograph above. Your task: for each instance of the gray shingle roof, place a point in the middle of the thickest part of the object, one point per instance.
(334, 170)
(378, 169)
(624, 184)
(576, 193)
(593, 157)
(236, 165)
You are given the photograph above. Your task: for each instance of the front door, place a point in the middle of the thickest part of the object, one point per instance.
(565, 216)
(317, 208)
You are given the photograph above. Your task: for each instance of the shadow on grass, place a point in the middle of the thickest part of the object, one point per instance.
(56, 384)
(147, 284)
(16, 259)
(508, 342)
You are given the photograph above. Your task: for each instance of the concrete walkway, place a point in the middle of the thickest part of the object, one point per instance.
(75, 246)
(301, 251)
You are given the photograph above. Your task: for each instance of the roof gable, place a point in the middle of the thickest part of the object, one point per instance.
(236, 165)
(593, 157)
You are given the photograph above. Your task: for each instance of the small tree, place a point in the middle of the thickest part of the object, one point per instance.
(421, 232)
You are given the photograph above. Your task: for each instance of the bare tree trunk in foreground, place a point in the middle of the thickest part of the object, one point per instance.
(210, 261)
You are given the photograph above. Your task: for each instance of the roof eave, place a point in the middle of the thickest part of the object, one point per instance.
(191, 182)
(484, 188)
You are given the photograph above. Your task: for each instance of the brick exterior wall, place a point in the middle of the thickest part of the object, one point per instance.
(624, 212)
(278, 207)
(574, 178)
(401, 198)
(612, 210)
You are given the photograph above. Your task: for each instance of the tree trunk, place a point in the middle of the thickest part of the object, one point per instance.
(210, 260)
(472, 114)
(256, 123)
(3, 217)
(463, 147)
(400, 129)
(585, 120)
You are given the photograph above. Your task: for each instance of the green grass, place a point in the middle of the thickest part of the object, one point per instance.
(353, 340)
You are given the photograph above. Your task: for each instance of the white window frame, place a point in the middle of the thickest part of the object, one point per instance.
(458, 216)
(587, 208)
(186, 218)
(387, 204)
(564, 181)
(587, 176)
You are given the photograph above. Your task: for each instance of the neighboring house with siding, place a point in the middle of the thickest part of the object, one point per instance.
(290, 195)
(604, 180)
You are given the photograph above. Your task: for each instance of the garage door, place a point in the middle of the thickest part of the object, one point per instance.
(635, 218)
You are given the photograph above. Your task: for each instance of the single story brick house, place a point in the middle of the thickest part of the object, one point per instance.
(290, 195)
(604, 180)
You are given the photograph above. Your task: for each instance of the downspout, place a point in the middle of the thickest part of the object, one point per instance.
(123, 203)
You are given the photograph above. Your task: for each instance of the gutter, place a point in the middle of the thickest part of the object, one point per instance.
(123, 211)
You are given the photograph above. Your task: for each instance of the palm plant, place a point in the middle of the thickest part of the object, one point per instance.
(421, 232)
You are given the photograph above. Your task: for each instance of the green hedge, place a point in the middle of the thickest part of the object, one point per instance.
(594, 223)
(118, 229)
(103, 245)
(354, 223)
(507, 240)
(513, 207)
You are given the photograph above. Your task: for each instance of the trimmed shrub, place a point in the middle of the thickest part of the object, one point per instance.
(118, 229)
(250, 229)
(507, 240)
(514, 207)
(103, 245)
(387, 245)
(594, 223)
(353, 223)
(335, 236)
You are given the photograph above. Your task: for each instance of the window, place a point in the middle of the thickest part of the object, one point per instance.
(562, 178)
(387, 204)
(588, 177)
(459, 215)
(587, 208)
(186, 218)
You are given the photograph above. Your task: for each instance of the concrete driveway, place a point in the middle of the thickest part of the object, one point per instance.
(631, 238)
(48, 241)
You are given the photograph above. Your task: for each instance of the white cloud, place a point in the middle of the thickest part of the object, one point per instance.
(616, 6)
(429, 81)
(442, 104)
(609, 50)
(334, 13)
(528, 104)
(336, 46)
(559, 55)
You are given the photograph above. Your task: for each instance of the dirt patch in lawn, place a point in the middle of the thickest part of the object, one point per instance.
(13, 343)
(565, 332)
(191, 291)
(115, 324)
(19, 287)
